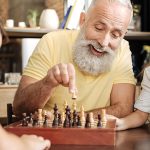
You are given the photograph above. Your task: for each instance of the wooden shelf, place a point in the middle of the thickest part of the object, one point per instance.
(38, 33)
(7, 86)
(132, 35)
(17, 32)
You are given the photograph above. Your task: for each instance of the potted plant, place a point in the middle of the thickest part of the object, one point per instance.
(32, 18)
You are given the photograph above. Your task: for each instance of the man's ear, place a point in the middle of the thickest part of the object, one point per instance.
(82, 18)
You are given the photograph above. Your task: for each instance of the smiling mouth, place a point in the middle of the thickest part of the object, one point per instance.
(95, 51)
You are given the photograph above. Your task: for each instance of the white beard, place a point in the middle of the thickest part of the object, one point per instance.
(87, 61)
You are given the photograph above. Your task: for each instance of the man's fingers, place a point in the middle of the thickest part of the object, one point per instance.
(56, 72)
(72, 83)
(110, 117)
(64, 73)
(51, 78)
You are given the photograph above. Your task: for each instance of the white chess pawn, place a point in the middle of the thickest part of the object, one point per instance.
(82, 115)
(40, 118)
(63, 117)
(74, 106)
(91, 119)
(103, 118)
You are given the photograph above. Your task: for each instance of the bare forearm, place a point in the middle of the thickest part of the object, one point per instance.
(135, 119)
(115, 110)
(32, 97)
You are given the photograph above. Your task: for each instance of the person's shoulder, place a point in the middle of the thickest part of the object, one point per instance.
(124, 43)
(61, 33)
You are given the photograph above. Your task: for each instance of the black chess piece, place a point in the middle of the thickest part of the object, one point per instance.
(59, 119)
(99, 121)
(75, 118)
(35, 119)
(55, 121)
(79, 121)
(45, 123)
(87, 123)
(31, 118)
(24, 120)
(67, 122)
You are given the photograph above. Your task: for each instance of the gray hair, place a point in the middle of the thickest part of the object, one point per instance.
(126, 3)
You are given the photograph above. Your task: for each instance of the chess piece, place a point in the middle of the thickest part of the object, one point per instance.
(45, 123)
(82, 116)
(35, 119)
(55, 121)
(59, 120)
(30, 120)
(75, 119)
(78, 121)
(63, 117)
(103, 118)
(87, 123)
(40, 118)
(65, 105)
(74, 106)
(99, 121)
(24, 120)
(74, 96)
(67, 118)
(91, 119)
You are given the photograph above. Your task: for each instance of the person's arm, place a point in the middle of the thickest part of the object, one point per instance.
(33, 94)
(133, 120)
(26, 142)
(122, 100)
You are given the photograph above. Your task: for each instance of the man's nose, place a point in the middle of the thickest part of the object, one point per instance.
(104, 40)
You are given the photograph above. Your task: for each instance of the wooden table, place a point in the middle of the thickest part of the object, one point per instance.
(134, 139)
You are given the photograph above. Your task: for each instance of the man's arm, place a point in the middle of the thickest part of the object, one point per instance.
(121, 100)
(33, 94)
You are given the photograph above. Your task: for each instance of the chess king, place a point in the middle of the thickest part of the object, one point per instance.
(95, 60)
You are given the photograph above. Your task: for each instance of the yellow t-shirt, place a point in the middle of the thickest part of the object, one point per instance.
(93, 92)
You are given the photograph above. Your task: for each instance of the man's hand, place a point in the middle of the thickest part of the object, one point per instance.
(120, 123)
(63, 74)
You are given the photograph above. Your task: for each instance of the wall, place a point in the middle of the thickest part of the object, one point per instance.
(58, 5)
(19, 8)
(4, 9)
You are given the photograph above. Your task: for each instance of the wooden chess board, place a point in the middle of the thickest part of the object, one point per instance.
(70, 136)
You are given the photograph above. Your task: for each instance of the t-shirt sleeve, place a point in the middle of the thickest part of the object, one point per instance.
(143, 101)
(39, 62)
(124, 70)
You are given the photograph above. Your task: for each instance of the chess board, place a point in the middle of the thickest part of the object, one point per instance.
(70, 136)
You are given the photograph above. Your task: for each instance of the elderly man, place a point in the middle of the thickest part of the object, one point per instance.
(96, 61)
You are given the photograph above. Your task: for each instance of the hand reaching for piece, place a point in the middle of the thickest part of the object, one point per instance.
(63, 74)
